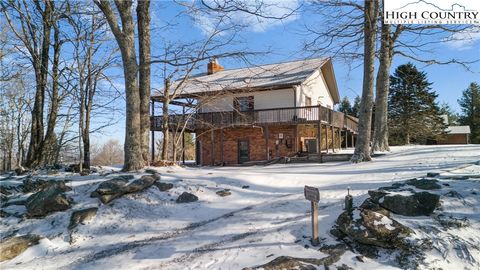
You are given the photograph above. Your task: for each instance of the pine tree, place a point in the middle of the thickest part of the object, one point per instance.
(345, 106)
(414, 115)
(470, 103)
(356, 106)
(445, 109)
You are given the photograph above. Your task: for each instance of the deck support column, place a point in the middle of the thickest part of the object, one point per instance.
(212, 154)
(326, 138)
(222, 146)
(319, 140)
(333, 139)
(153, 126)
(183, 136)
(267, 154)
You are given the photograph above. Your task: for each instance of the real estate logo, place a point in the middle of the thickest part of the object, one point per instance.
(432, 12)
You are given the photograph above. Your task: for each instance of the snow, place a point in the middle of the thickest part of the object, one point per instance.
(384, 221)
(271, 218)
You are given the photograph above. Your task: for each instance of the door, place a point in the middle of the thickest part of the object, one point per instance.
(198, 152)
(243, 151)
(312, 146)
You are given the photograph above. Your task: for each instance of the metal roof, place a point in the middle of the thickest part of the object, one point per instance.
(265, 77)
(458, 130)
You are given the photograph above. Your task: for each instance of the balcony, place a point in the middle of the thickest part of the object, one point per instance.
(277, 116)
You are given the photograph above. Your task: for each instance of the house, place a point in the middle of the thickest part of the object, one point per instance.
(262, 112)
(456, 135)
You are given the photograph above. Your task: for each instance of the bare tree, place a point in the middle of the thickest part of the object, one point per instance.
(125, 37)
(362, 149)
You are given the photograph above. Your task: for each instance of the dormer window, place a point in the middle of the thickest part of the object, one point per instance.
(243, 104)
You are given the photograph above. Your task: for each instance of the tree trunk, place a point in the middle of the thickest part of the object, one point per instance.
(49, 145)
(166, 132)
(362, 149)
(41, 71)
(380, 137)
(143, 18)
(125, 37)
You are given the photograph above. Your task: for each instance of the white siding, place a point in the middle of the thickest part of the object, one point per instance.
(316, 88)
(262, 100)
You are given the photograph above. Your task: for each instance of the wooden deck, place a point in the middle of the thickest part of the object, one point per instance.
(277, 116)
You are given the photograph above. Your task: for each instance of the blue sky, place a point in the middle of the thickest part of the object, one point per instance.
(284, 40)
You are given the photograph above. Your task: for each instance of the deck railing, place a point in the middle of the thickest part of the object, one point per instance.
(276, 116)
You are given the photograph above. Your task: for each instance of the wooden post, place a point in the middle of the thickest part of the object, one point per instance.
(266, 143)
(315, 240)
(319, 140)
(333, 139)
(212, 154)
(153, 125)
(326, 137)
(351, 139)
(221, 146)
(313, 195)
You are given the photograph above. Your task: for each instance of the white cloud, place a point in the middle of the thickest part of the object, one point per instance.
(263, 15)
(464, 40)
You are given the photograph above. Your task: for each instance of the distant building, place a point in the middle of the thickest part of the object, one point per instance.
(455, 134)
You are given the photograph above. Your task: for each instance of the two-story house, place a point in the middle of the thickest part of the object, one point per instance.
(263, 112)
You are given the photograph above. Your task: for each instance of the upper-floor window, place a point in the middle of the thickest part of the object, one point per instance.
(243, 104)
(308, 101)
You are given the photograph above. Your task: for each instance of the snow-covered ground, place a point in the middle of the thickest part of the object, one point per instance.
(252, 226)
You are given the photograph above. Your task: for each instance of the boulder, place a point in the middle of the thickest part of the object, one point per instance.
(14, 246)
(51, 199)
(425, 184)
(186, 197)
(224, 193)
(82, 216)
(118, 186)
(433, 174)
(30, 185)
(412, 204)
(286, 263)
(372, 228)
(21, 171)
(163, 186)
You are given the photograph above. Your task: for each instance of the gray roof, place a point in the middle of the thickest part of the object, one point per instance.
(458, 130)
(272, 76)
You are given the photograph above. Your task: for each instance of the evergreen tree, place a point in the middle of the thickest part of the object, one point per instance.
(414, 115)
(356, 106)
(345, 106)
(452, 116)
(470, 103)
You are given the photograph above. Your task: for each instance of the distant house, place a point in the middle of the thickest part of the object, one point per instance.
(455, 134)
(262, 112)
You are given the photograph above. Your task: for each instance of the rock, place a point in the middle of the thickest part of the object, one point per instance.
(163, 186)
(223, 193)
(118, 186)
(151, 171)
(85, 172)
(246, 186)
(426, 184)
(21, 171)
(82, 216)
(432, 174)
(416, 204)
(30, 185)
(393, 186)
(186, 197)
(287, 263)
(344, 267)
(453, 194)
(372, 228)
(372, 206)
(14, 246)
(51, 199)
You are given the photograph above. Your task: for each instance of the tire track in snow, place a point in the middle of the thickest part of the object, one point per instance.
(124, 247)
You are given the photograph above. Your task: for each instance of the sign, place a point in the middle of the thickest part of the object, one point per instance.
(312, 194)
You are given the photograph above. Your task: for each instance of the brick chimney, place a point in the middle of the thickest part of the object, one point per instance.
(213, 66)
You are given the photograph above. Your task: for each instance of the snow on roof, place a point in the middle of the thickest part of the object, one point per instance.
(458, 130)
(270, 76)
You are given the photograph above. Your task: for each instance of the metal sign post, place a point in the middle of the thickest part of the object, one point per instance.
(313, 195)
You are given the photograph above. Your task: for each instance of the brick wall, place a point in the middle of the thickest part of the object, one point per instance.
(277, 146)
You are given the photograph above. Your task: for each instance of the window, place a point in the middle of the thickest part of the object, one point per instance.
(243, 104)
(308, 101)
